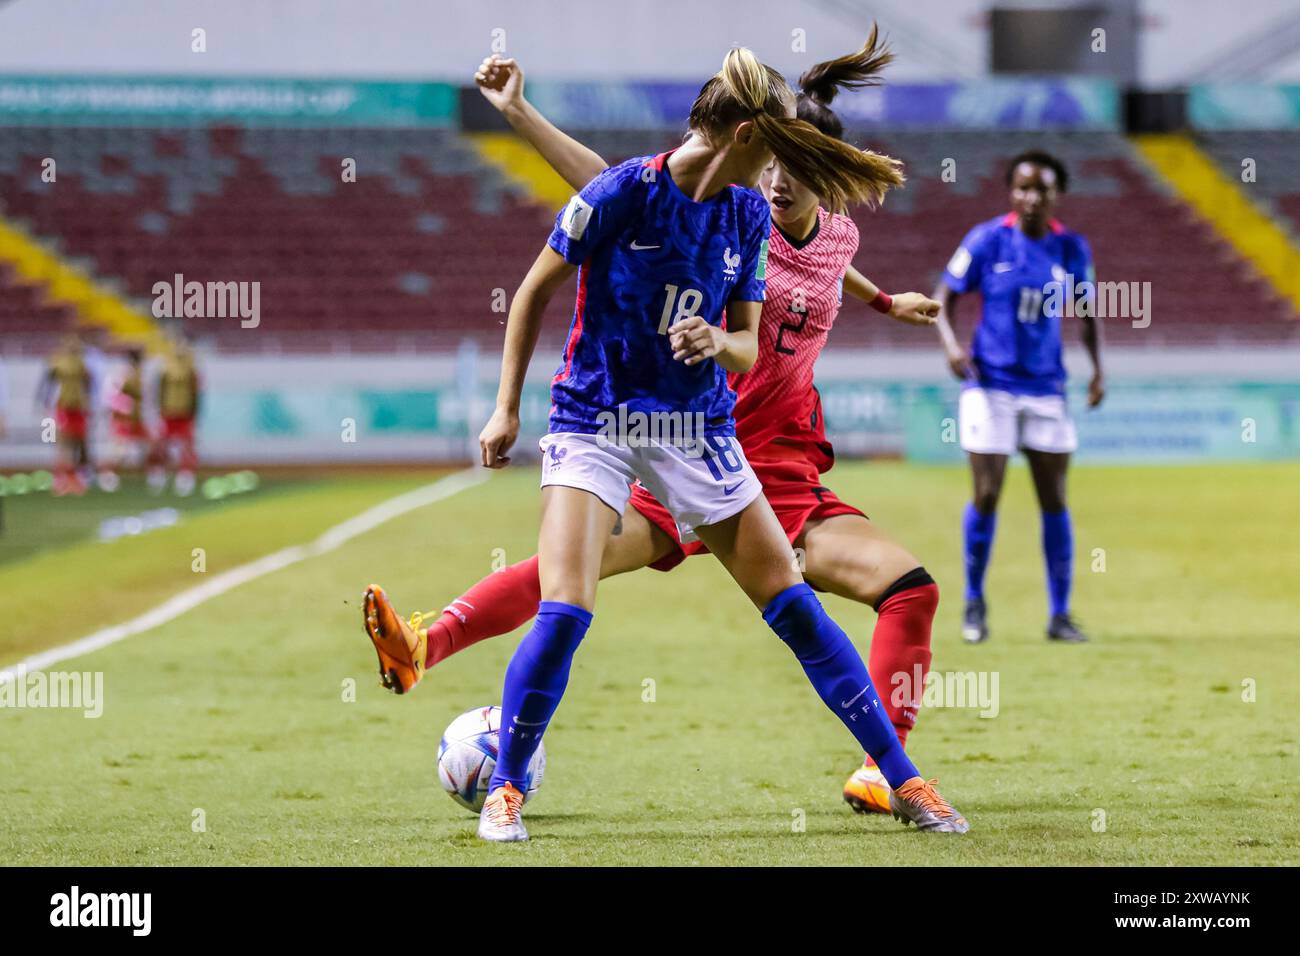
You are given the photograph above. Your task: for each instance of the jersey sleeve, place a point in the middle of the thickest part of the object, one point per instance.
(752, 285)
(597, 214)
(966, 267)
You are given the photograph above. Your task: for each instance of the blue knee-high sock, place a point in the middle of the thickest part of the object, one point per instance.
(839, 676)
(1058, 552)
(977, 537)
(535, 682)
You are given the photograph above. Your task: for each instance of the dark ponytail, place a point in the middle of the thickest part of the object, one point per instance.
(820, 83)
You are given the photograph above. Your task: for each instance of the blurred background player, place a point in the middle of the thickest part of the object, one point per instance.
(1013, 380)
(178, 407)
(66, 389)
(130, 444)
(93, 340)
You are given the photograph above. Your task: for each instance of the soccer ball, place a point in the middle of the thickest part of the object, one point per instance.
(467, 756)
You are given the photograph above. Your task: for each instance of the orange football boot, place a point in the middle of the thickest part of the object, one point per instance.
(867, 791)
(916, 801)
(401, 646)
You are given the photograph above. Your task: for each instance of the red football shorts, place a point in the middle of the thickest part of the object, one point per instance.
(793, 488)
(70, 423)
(180, 429)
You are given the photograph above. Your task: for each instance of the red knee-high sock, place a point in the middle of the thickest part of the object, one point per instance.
(496, 605)
(900, 645)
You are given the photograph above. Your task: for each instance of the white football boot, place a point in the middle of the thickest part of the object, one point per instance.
(501, 820)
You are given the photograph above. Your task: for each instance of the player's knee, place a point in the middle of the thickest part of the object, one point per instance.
(986, 500)
(916, 589)
(1052, 500)
(794, 615)
(570, 592)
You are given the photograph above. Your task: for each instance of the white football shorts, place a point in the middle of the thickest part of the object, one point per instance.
(699, 484)
(994, 422)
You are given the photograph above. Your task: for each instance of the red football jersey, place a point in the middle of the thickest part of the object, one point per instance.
(778, 411)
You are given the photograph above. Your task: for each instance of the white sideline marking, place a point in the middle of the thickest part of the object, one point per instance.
(175, 606)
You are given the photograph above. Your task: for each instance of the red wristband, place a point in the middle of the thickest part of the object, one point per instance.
(882, 303)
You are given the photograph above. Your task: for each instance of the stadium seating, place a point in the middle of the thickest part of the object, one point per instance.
(1138, 231)
(28, 322)
(410, 256)
(407, 256)
(1276, 175)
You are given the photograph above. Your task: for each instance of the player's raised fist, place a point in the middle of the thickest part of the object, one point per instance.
(694, 340)
(500, 80)
(914, 308)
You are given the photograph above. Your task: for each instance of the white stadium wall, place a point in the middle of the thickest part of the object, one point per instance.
(570, 39)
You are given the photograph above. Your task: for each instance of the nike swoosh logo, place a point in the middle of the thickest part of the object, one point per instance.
(727, 491)
(850, 703)
(638, 248)
(542, 723)
(1003, 267)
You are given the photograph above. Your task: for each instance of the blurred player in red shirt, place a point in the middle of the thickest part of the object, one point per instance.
(67, 389)
(179, 391)
(130, 441)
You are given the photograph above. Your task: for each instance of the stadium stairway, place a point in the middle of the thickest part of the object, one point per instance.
(61, 284)
(520, 164)
(1204, 186)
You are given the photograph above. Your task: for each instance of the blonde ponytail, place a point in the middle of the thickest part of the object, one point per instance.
(745, 89)
(745, 79)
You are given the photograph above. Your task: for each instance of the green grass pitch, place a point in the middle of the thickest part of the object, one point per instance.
(1135, 749)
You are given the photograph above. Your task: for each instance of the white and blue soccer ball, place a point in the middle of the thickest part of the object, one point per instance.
(467, 757)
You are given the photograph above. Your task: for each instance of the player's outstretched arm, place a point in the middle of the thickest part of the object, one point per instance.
(547, 274)
(914, 308)
(501, 82)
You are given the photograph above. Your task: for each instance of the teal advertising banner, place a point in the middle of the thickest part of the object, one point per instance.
(1140, 422)
(118, 100)
(1244, 106)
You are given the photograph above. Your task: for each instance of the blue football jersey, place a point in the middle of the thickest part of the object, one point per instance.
(1024, 283)
(647, 257)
